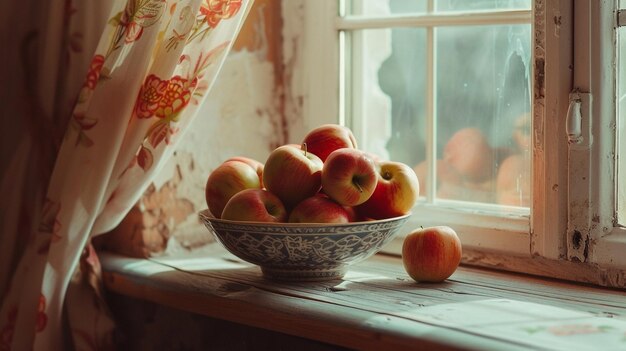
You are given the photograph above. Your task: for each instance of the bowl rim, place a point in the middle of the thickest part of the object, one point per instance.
(206, 214)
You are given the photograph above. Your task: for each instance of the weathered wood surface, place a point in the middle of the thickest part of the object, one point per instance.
(377, 306)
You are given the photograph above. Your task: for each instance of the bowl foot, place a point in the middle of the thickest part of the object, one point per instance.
(303, 275)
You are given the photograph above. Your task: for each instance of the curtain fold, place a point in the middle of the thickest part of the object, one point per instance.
(148, 64)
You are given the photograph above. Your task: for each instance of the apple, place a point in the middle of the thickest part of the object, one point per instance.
(226, 180)
(374, 157)
(319, 209)
(445, 174)
(349, 176)
(513, 182)
(255, 205)
(396, 192)
(258, 166)
(352, 215)
(469, 153)
(327, 138)
(292, 174)
(431, 254)
(521, 133)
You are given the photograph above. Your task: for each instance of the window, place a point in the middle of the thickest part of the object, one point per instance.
(508, 121)
(443, 86)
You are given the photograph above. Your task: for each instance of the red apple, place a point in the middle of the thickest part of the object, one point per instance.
(255, 205)
(396, 192)
(469, 153)
(374, 157)
(226, 180)
(352, 215)
(327, 138)
(258, 166)
(292, 174)
(319, 209)
(431, 254)
(349, 177)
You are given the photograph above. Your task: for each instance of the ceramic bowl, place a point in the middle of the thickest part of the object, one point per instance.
(303, 252)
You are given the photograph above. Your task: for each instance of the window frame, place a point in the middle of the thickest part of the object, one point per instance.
(548, 246)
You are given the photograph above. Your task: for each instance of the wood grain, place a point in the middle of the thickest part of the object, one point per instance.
(375, 307)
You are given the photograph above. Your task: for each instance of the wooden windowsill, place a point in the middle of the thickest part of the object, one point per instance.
(378, 307)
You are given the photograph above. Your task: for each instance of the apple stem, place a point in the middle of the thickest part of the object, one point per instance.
(387, 175)
(304, 148)
(358, 186)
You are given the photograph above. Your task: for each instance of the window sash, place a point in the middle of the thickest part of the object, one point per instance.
(480, 225)
(547, 235)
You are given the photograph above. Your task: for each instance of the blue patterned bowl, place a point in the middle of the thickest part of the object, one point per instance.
(303, 252)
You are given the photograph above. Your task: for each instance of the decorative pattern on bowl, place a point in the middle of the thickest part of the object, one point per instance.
(303, 252)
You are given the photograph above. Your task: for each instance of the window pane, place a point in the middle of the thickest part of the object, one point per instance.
(621, 134)
(478, 134)
(483, 114)
(384, 7)
(481, 5)
(388, 92)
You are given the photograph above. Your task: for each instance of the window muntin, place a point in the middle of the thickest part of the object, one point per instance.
(374, 7)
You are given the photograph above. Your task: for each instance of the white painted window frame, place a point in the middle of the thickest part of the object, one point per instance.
(593, 233)
(547, 244)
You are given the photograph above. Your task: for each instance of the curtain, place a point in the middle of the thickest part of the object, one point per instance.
(104, 90)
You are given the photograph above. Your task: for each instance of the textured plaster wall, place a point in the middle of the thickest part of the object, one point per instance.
(244, 114)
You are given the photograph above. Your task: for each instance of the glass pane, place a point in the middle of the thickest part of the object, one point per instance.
(621, 133)
(479, 134)
(483, 114)
(481, 5)
(385, 7)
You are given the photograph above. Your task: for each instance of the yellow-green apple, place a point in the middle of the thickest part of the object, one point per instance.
(431, 254)
(258, 166)
(349, 176)
(226, 180)
(469, 153)
(327, 138)
(396, 192)
(292, 174)
(255, 205)
(319, 209)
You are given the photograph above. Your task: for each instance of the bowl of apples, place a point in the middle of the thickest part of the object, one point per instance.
(303, 251)
(310, 210)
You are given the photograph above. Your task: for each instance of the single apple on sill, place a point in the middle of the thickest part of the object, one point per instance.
(431, 254)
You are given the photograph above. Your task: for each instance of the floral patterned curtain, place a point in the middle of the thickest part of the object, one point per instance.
(102, 135)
